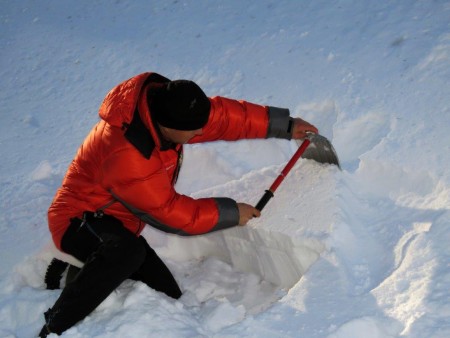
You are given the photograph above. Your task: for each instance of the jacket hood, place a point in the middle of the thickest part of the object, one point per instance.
(120, 103)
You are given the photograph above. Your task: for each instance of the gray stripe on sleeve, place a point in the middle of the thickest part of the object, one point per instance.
(228, 213)
(279, 120)
(228, 216)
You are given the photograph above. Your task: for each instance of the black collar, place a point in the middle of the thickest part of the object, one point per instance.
(139, 136)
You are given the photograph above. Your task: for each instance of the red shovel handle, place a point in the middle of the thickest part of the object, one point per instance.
(269, 193)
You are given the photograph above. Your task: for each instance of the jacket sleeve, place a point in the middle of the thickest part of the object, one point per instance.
(144, 188)
(232, 120)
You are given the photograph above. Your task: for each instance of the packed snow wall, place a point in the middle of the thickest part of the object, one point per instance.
(277, 257)
(280, 245)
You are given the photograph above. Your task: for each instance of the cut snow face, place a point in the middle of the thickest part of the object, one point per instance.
(274, 256)
(279, 246)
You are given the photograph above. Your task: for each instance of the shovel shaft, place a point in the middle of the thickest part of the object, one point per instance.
(263, 201)
(269, 193)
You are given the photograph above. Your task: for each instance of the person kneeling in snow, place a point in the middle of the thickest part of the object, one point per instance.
(123, 177)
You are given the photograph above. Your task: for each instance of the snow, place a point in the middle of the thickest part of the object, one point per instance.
(361, 252)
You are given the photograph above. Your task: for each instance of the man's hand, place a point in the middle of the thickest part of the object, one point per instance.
(247, 212)
(301, 127)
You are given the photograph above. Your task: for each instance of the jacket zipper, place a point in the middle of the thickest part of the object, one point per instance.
(178, 167)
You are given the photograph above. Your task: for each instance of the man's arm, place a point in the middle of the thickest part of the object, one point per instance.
(232, 120)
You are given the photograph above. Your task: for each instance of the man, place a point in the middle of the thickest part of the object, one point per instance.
(123, 177)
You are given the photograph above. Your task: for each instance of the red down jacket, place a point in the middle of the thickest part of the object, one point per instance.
(125, 168)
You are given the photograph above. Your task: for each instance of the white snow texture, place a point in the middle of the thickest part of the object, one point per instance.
(362, 252)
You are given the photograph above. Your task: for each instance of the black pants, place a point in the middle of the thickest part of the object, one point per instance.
(111, 254)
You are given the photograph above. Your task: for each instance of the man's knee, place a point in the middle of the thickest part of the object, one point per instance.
(124, 250)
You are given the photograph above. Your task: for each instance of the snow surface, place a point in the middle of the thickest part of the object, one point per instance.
(372, 75)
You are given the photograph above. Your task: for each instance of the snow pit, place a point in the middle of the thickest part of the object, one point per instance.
(279, 246)
(274, 256)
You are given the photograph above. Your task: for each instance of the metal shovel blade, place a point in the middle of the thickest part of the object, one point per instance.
(320, 150)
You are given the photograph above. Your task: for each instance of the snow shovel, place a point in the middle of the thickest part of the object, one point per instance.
(314, 147)
(320, 150)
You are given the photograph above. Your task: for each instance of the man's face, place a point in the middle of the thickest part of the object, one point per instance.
(179, 136)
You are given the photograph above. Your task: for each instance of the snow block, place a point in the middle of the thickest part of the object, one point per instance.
(279, 246)
(275, 256)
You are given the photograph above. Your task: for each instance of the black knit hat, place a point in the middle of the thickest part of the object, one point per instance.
(180, 104)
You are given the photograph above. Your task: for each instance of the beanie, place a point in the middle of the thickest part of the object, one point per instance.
(180, 104)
